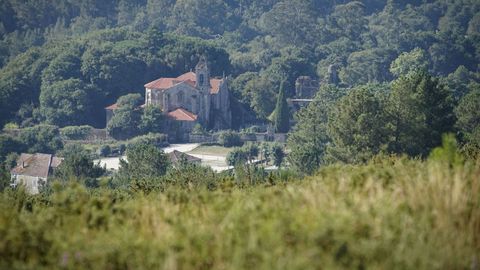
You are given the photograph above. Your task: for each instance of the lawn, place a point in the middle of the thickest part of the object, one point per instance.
(211, 150)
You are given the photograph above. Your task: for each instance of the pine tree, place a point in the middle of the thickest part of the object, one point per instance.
(421, 110)
(282, 116)
(308, 139)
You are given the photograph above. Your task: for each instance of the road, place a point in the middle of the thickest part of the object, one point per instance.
(217, 163)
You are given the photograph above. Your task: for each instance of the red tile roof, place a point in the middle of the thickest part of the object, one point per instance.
(189, 78)
(162, 83)
(181, 114)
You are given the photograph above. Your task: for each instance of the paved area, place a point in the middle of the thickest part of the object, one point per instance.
(216, 162)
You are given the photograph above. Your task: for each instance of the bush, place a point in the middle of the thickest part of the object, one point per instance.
(157, 139)
(237, 156)
(121, 148)
(10, 126)
(278, 154)
(75, 132)
(104, 150)
(198, 130)
(345, 216)
(229, 138)
(41, 139)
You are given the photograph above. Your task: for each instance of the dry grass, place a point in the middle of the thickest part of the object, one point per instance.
(397, 214)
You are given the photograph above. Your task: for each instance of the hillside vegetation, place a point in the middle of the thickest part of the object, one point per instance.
(391, 214)
(63, 61)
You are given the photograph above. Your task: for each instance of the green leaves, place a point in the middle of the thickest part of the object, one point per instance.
(69, 102)
(357, 126)
(468, 117)
(308, 139)
(421, 111)
(144, 161)
(125, 122)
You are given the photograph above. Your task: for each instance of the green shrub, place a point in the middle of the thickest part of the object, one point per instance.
(388, 214)
(237, 156)
(157, 139)
(76, 132)
(9, 126)
(198, 130)
(41, 139)
(121, 148)
(229, 138)
(104, 150)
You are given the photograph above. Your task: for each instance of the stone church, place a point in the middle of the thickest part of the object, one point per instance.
(193, 97)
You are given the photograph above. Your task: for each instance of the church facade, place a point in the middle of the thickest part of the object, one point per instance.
(193, 97)
(189, 99)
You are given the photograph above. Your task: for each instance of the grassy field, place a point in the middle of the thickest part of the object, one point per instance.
(394, 214)
(213, 150)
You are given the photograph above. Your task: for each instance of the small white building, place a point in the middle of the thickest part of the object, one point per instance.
(32, 171)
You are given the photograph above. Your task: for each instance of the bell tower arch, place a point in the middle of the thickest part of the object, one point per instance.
(202, 73)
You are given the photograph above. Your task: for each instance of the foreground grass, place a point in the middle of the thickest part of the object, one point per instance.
(396, 214)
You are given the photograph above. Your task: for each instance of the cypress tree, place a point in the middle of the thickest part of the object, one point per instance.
(281, 117)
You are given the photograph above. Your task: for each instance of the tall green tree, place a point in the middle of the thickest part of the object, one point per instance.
(278, 154)
(143, 161)
(308, 139)
(69, 102)
(358, 126)
(152, 120)
(41, 139)
(126, 118)
(468, 117)
(281, 118)
(238, 156)
(291, 22)
(420, 111)
(406, 62)
(78, 165)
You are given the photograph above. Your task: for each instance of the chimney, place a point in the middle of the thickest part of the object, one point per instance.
(23, 164)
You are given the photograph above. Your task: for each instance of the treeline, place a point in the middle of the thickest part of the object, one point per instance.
(345, 216)
(406, 117)
(69, 83)
(260, 43)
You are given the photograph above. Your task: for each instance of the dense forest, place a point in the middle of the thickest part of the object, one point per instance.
(379, 170)
(63, 61)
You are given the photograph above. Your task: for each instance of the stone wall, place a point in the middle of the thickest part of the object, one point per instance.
(250, 137)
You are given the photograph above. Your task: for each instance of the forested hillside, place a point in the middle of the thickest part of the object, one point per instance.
(63, 61)
(376, 168)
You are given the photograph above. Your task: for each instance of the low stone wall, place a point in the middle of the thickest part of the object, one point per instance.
(251, 137)
(197, 138)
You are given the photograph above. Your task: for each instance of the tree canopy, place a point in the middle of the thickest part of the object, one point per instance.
(58, 58)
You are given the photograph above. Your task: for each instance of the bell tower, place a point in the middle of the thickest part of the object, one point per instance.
(202, 73)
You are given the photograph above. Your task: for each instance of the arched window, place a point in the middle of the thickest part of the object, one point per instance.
(180, 97)
(201, 79)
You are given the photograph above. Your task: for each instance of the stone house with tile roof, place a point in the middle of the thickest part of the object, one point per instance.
(193, 97)
(33, 170)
